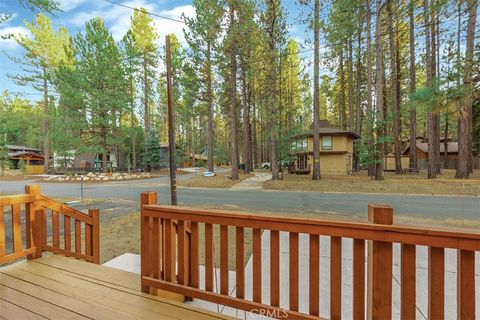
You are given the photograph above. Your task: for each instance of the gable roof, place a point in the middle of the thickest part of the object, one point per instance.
(326, 128)
(423, 146)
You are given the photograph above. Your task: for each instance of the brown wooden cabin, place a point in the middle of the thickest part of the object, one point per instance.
(450, 162)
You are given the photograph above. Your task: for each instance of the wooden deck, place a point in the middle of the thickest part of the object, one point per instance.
(56, 287)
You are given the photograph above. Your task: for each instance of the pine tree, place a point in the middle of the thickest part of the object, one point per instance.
(151, 156)
(45, 51)
(144, 39)
(96, 90)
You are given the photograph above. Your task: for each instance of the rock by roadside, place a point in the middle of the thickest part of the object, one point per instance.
(97, 177)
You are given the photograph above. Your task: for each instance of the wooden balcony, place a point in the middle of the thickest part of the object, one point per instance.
(61, 278)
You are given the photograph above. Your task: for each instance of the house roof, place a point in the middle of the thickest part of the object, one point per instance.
(23, 148)
(327, 129)
(25, 155)
(423, 146)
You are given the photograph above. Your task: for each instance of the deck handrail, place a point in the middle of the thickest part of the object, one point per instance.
(163, 266)
(42, 234)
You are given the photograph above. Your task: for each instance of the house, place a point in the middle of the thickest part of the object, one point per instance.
(32, 158)
(336, 150)
(422, 154)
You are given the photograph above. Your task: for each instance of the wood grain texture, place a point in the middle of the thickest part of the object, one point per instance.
(240, 264)
(436, 283)
(257, 264)
(314, 275)
(408, 281)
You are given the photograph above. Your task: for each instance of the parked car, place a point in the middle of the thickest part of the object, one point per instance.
(266, 165)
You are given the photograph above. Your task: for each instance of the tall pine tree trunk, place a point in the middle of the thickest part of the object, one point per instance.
(379, 92)
(146, 95)
(316, 100)
(46, 123)
(395, 93)
(233, 100)
(247, 138)
(413, 89)
(272, 101)
(432, 165)
(210, 132)
(434, 77)
(465, 112)
(358, 116)
(343, 107)
(133, 133)
(370, 117)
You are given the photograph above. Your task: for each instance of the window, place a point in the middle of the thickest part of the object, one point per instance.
(300, 145)
(327, 143)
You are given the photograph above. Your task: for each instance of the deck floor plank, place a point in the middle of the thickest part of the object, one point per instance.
(57, 287)
(38, 306)
(14, 312)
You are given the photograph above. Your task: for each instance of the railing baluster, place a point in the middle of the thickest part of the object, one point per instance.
(275, 268)
(257, 264)
(358, 279)
(314, 275)
(169, 251)
(55, 229)
(88, 239)
(2, 232)
(436, 283)
(16, 228)
(155, 247)
(293, 271)
(182, 259)
(224, 259)
(67, 235)
(78, 236)
(240, 265)
(335, 278)
(465, 284)
(95, 215)
(194, 256)
(42, 216)
(408, 282)
(209, 257)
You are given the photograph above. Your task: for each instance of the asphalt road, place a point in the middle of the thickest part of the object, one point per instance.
(345, 204)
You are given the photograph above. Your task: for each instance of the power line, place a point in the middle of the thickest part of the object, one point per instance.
(145, 11)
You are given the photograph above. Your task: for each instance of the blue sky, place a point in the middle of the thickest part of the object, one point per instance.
(77, 12)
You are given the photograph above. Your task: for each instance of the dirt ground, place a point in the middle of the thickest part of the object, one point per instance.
(445, 184)
(221, 180)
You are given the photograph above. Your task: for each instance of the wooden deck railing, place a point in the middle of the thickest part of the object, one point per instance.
(41, 230)
(164, 257)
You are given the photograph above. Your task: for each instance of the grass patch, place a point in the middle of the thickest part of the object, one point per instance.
(221, 180)
(445, 184)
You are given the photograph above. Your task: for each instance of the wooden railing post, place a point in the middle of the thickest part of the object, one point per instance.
(95, 234)
(146, 198)
(380, 267)
(33, 226)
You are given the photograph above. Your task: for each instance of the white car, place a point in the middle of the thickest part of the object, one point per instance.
(266, 165)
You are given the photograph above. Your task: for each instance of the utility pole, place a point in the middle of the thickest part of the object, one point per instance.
(171, 132)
